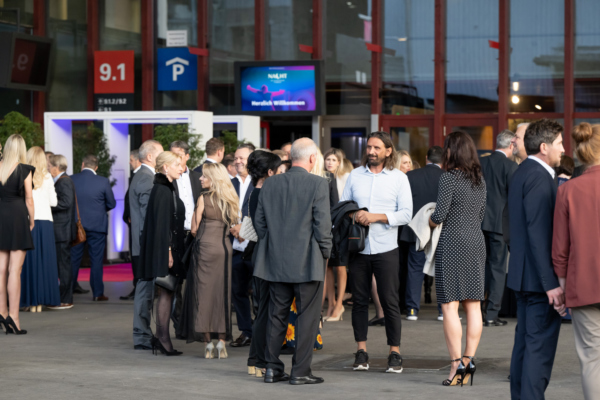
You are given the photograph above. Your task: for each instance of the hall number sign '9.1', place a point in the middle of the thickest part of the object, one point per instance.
(113, 71)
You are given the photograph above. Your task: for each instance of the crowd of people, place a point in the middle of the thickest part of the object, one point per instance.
(277, 235)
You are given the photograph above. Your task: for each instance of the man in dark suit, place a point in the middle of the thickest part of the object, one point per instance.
(65, 228)
(497, 169)
(241, 272)
(96, 199)
(424, 187)
(188, 188)
(291, 255)
(215, 150)
(134, 165)
(531, 199)
(139, 194)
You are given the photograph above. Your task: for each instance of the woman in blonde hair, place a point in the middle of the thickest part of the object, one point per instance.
(162, 245)
(40, 270)
(405, 163)
(207, 309)
(16, 223)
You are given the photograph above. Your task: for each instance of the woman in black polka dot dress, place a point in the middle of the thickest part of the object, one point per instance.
(460, 254)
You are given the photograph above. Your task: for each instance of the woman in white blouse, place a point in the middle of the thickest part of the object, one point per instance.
(39, 277)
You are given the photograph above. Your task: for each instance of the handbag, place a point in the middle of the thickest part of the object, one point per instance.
(169, 281)
(356, 237)
(80, 236)
(247, 230)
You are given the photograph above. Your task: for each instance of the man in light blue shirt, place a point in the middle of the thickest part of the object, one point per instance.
(385, 192)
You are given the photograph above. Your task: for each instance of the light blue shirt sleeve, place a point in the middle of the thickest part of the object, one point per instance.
(404, 205)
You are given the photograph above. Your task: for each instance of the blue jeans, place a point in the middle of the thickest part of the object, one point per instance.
(96, 244)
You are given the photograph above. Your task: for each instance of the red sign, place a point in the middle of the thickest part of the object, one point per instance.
(23, 59)
(113, 71)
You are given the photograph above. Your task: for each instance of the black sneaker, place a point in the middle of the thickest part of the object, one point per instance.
(394, 363)
(361, 362)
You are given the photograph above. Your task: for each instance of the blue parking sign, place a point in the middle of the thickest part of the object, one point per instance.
(177, 69)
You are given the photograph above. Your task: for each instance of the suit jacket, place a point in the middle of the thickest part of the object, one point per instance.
(95, 198)
(64, 214)
(293, 224)
(198, 169)
(196, 185)
(531, 201)
(246, 199)
(424, 184)
(497, 170)
(139, 194)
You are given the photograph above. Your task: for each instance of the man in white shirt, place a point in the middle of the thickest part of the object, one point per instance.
(242, 270)
(386, 193)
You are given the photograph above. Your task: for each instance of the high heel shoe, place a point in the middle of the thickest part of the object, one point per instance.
(209, 350)
(260, 372)
(469, 371)
(7, 328)
(158, 346)
(251, 370)
(11, 324)
(339, 317)
(221, 350)
(458, 376)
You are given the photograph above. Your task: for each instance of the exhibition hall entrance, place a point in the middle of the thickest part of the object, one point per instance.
(346, 132)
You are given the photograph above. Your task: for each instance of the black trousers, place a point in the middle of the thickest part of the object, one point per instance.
(261, 298)
(241, 277)
(385, 268)
(403, 249)
(65, 271)
(536, 339)
(308, 303)
(495, 273)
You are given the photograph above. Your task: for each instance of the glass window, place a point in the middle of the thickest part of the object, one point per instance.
(472, 60)
(347, 60)
(408, 68)
(176, 15)
(537, 56)
(413, 139)
(289, 24)
(67, 25)
(231, 39)
(587, 56)
(9, 16)
(483, 136)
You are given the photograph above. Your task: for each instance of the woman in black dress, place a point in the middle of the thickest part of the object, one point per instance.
(460, 254)
(162, 243)
(16, 223)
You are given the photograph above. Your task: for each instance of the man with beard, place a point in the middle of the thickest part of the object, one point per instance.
(385, 192)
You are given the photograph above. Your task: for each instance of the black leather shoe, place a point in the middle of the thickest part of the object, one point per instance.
(271, 377)
(130, 296)
(242, 341)
(495, 322)
(79, 290)
(306, 380)
(141, 347)
(377, 321)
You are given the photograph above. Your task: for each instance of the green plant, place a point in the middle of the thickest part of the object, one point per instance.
(15, 122)
(231, 141)
(92, 141)
(167, 134)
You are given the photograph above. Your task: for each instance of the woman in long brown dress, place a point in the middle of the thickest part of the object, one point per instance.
(208, 294)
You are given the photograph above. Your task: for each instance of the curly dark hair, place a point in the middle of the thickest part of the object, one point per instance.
(259, 164)
(460, 153)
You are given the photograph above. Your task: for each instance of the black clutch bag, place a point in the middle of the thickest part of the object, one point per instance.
(168, 282)
(356, 237)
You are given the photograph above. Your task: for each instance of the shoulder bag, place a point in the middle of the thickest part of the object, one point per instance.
(356, 236)
(247, 230)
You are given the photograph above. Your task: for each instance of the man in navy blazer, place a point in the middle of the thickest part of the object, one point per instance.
(531, 198)
(95, 198)
(241, 271)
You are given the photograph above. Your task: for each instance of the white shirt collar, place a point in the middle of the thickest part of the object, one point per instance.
(546, 166)
(211, 160)
(437, 165)
(230, 176)
(89, 169)
(383, 171)
(246, 182)
(150, 168)
(137, 169)
(500, 151)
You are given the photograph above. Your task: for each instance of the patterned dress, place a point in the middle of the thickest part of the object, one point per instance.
(460, 254)
(290, 336)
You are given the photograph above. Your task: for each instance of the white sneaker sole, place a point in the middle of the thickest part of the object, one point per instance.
(412, 318)
(361, 368)
(396, 371)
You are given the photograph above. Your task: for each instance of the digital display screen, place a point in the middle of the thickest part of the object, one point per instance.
(278, 89)
(31, 59)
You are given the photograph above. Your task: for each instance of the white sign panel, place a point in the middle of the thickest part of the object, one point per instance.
(177, 38)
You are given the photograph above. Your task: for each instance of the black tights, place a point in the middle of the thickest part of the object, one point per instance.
(163, 317)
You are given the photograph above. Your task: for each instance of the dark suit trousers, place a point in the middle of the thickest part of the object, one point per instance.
(403, 273)
(261, 298)
(308, 303)
(241, 276)
(385, 268)
(96, 244)
(536, 338)
(65, 271)
(414, 277)
(495, 272)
